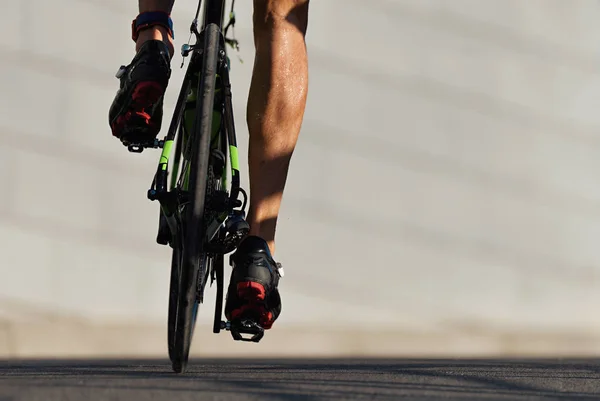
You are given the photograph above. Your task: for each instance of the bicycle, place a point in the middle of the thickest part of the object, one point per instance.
(200, 219)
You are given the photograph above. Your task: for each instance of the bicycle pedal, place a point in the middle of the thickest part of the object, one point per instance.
(230, 236)
(246, 326)
(139, 147)
(228, 243)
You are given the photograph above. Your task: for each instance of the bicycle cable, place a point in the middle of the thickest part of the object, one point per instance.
(231, 18)
(233, 42)
(195, 22)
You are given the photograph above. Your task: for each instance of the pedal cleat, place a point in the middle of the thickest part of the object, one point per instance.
(139, 147)
(245, 326)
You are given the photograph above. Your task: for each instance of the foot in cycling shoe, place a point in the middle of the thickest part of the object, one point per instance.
(135, 114)
(252, 292)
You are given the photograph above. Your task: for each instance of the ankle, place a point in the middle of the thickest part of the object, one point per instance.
(155, 32)
(269, 238)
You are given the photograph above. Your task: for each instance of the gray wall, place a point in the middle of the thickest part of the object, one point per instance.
(446, 176)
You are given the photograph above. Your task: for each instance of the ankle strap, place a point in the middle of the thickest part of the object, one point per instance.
(151, 18)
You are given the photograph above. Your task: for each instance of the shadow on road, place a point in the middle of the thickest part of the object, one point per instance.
(303, 379)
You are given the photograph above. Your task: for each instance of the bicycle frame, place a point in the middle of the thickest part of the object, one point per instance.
(223, 137)
(198, 216)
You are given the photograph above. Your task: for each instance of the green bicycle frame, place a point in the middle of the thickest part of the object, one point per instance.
(181, 129)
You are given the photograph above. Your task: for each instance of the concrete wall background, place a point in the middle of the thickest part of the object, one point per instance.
(446, 179)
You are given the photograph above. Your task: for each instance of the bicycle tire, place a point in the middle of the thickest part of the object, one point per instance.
(173, 296)
(194, 228)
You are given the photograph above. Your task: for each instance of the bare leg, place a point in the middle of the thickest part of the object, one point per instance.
(155, 32)
(276, 105)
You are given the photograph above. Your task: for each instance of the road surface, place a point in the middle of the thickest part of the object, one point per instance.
(298, 379)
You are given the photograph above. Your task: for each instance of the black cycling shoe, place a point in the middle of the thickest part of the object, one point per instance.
(135, 115)
(252, 292)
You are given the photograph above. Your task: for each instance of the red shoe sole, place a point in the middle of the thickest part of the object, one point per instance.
(251, 291)
(144, 96)
(254, 295)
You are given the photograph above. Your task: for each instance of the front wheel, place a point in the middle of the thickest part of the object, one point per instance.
(173, 296)
(193, 259)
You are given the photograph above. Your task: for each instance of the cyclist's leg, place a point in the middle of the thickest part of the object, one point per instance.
(275, 106)
(275, 110)
(156, 32)
(136, 112)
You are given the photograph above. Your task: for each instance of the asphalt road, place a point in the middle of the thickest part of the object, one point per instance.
(298, 379)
